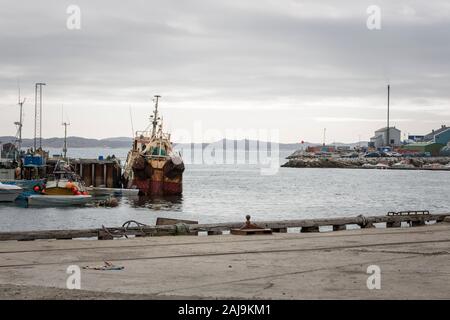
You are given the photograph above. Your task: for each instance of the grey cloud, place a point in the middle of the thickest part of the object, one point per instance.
(218, 52)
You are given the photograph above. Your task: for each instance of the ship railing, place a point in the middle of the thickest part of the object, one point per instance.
(155, 156)
(145, 134)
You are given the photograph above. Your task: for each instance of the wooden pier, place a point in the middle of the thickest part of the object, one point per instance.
(305, 225)
(97, 173)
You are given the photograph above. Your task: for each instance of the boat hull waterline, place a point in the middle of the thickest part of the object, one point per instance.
(9, 193)
(97, 191)
(58, 200)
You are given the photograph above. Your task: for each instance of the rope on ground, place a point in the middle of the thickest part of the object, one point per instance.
(138, 224)
(118, 233)
(364, 221)
(114, 233)
(181, 228)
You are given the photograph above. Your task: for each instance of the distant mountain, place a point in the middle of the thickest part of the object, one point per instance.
(125, 142)
(250, 144)
(75, 142)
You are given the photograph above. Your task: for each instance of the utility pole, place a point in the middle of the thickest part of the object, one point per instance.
(388, 142)
(38, 116)
(155, 115)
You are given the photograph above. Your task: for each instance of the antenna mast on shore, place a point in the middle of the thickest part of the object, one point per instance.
(38, 116)
(388, 142)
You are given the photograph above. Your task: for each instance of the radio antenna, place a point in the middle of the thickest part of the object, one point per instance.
(132, 126)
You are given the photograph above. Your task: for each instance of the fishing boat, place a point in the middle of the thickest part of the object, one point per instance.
(25, 170)
(63, 188)
(13, 172)
(9, 193)
(152, 166)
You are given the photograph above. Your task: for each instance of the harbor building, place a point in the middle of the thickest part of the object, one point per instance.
(431, 143)
(441, 135)
(380, 138)
(415, 138)
(445, 151)
(424, 147)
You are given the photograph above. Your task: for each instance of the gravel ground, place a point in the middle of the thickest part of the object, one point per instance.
(17, 292)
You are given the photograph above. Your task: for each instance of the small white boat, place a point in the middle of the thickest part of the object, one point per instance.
(42, 200)
(9, 193)
(98, 191)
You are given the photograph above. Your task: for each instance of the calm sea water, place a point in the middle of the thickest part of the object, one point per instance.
(223, 193)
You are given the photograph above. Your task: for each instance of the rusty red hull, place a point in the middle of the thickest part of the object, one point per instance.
(172, 188)
(154, 187)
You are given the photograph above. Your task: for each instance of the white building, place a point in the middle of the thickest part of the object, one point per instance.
(380, 138)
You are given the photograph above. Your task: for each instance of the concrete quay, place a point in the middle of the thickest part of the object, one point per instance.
(414, 264)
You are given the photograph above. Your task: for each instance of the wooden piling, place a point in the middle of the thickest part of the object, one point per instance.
(310, 229)
(339, 227)
(393, 224)
(417, 223)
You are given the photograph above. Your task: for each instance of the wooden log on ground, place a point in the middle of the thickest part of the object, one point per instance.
(279, 230)
(167, 221)
(48, 234)
(366, 222)
(192, 229)
(246, 232)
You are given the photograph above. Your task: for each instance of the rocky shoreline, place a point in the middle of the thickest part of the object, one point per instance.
(426, 163)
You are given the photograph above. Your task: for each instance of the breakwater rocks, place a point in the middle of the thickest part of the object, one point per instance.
(431, 163)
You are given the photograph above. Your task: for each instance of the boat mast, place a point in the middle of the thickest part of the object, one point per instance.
(154, 117)
(20, 123)
(65, 124)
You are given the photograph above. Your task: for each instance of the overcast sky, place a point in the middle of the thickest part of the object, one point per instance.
(293, 66)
